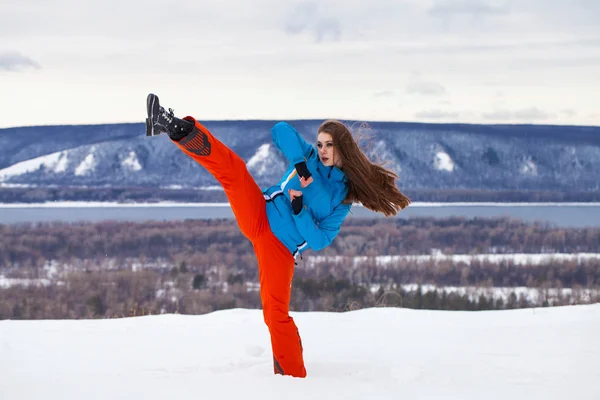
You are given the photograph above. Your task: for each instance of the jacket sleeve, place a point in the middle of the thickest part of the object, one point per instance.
(320, 235)
(290, 143)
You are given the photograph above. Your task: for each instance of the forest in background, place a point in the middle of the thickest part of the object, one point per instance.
(117, 269)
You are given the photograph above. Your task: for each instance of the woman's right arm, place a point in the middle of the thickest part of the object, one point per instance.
(320, 235)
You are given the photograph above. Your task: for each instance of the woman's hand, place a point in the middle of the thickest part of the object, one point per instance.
(296, 199)
(305, 182)
(303, 174)
(294, 193)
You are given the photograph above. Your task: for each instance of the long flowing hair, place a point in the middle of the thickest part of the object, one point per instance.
(370, 184)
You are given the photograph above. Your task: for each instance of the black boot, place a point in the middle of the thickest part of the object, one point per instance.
(160, 121)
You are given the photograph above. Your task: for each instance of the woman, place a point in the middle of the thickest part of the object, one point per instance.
(304, 210)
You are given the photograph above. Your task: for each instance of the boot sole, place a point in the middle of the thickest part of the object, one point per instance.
(152, 106)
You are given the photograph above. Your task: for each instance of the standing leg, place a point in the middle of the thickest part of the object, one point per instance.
(276, 270)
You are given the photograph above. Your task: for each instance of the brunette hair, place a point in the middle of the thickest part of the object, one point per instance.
(370, 184)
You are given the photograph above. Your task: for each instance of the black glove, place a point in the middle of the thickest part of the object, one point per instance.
(297, 204)
(302, 170)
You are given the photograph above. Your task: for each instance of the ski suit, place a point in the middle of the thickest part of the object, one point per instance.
(267, 220)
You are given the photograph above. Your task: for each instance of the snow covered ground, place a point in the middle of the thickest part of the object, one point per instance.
(382, 353)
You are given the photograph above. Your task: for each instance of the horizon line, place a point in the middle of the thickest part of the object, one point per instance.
(345, 120)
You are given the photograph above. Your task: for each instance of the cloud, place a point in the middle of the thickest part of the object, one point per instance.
(475, 8)
(306, 18)
(15, 62)
(426, 88)
(526, 114)
(436, 114)
(328, 27)
(301, 18)
(569, 112)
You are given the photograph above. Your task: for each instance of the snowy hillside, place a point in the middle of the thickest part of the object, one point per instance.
(383, 353)
(426, 156)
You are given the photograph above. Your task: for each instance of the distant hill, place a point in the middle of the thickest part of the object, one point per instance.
(429, 158)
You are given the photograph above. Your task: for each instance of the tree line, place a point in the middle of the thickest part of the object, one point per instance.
(117, 294)
(116, 269)
(32, 243)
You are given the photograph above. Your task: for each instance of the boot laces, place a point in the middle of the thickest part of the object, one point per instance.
(169, 116)
(166, 116)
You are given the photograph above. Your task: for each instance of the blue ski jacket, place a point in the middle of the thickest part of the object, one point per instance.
(322, 212)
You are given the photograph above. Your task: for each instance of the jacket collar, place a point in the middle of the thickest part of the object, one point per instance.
(337, 174)
(332, 173)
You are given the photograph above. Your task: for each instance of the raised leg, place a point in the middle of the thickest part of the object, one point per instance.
(244, 195)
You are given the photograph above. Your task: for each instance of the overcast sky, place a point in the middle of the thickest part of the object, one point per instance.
(474, 61)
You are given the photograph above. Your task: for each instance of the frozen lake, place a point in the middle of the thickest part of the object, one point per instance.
(559, 214)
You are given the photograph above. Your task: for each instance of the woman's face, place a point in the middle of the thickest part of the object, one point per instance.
(328, 154)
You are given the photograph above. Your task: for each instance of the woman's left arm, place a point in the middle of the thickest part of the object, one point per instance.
(320, 235)
(287, 139)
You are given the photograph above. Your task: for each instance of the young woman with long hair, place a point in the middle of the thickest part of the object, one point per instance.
(305, 209)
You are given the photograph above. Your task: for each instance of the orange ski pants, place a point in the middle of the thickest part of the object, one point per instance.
(275, 262)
